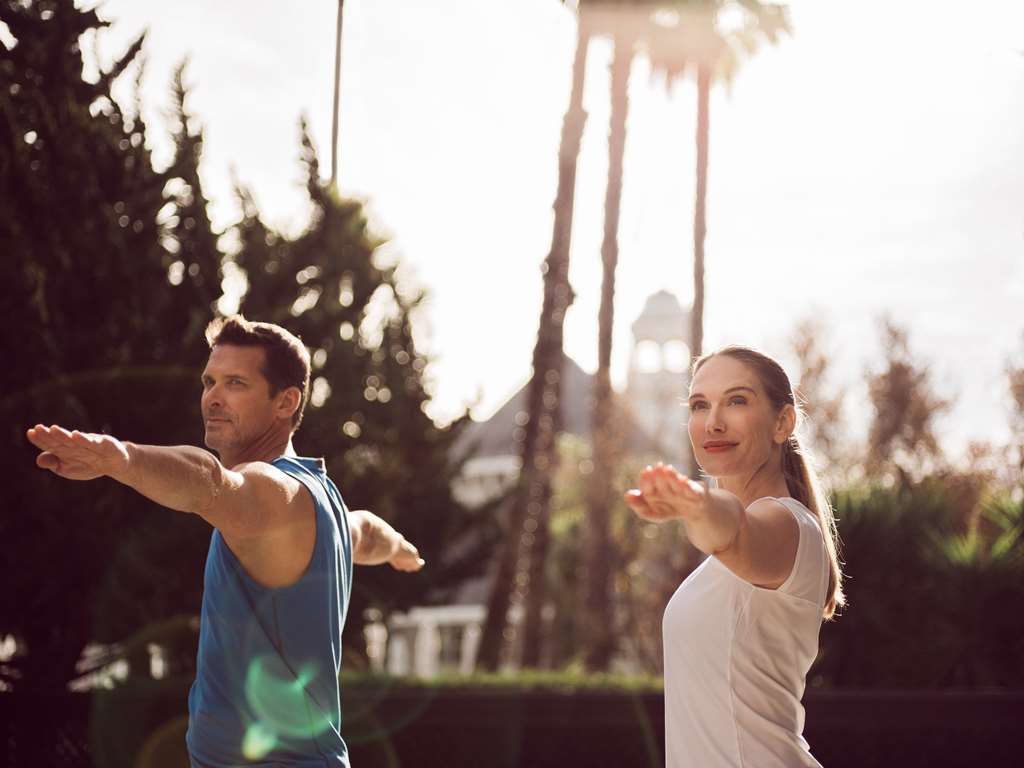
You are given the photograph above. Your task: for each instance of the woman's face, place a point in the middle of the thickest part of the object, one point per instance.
(733, 425)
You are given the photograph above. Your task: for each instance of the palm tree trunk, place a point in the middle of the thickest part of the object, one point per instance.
(598, 627)
(337, 98)
(699, 225)
(533, 492)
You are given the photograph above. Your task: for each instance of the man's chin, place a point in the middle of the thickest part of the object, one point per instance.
(213, 441)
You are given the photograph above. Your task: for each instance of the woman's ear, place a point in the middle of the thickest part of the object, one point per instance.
(785, 425)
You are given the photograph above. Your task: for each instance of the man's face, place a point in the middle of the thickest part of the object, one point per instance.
(237, 406)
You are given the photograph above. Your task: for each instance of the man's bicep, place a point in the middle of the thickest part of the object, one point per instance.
(356, 523)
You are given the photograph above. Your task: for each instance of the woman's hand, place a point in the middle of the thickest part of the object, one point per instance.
(665, 494)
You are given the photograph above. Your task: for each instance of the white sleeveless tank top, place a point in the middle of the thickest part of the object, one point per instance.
(736, 661)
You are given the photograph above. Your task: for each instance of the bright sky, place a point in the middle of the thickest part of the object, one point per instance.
(871, 163)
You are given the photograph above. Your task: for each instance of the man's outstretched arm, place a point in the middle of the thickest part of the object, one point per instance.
(375, 542)
(183, 478)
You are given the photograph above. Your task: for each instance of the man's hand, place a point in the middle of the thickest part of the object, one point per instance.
(665, 494)
(375, 542)
(78, 455)
(407, 558)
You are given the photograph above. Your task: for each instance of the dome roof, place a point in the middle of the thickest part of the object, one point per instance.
(662, 318)
(662, 303)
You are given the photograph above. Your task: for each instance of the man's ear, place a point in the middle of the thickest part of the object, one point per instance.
(288, 402)
(785, 425)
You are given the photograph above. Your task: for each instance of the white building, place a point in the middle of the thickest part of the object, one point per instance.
(429, 640)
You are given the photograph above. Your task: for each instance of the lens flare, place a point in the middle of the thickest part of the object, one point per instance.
(281, 704)
(257, 742)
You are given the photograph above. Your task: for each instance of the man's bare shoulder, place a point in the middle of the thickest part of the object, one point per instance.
(263, 472)
(273, 499)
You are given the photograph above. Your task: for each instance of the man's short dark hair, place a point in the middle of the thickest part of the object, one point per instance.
(287, 359)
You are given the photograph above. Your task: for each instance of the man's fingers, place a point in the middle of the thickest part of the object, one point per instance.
(407, 558)
(48, 438)
(408, 563)
(47, 460)
(38, 436)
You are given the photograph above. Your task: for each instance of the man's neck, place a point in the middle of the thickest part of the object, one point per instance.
(274, 443)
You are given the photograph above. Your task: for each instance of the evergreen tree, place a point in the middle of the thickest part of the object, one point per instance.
(153, 585)
(113, 273)
(96, 331)
(367, 412)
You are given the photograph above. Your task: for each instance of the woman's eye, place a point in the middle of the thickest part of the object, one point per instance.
(698, 406)
(738, 401)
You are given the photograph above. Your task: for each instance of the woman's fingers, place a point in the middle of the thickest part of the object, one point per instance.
(662, 483)
(640, 505)
(635, 498)
(647, 481)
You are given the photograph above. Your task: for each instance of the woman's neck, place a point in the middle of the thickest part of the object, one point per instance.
(758, 484)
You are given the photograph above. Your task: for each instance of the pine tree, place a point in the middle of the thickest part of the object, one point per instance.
(92, 324)
(367, 414)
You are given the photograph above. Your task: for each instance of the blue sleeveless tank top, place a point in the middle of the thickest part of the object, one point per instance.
(266, 689)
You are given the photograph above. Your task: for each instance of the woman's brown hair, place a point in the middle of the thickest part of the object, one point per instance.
(797, 464)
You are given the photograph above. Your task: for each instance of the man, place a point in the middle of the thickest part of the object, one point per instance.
(279, 569)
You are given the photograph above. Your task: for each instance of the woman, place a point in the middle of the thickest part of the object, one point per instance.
(741, 632)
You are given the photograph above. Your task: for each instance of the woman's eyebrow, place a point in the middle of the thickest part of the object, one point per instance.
(734, 389)
(731, 389)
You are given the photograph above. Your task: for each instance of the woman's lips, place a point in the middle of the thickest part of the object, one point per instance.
(719, 447)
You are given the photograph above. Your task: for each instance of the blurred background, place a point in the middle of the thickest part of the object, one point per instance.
(504, 229)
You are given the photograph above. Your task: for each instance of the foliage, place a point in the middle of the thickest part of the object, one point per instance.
(902, 440)
(931, 603)
(1015, 384)
(822, 404)
(116, 273)
(97, 331)
(559, 681)
(367, 415)
(642, 563)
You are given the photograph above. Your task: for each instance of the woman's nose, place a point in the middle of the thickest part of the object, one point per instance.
(714, 421)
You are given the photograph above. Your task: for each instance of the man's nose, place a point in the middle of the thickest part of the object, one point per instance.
(211, 397)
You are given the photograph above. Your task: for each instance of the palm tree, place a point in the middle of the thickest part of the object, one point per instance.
(692, 35)
(701, 43)
(337, 94)
(526, 534)
(598, 632)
